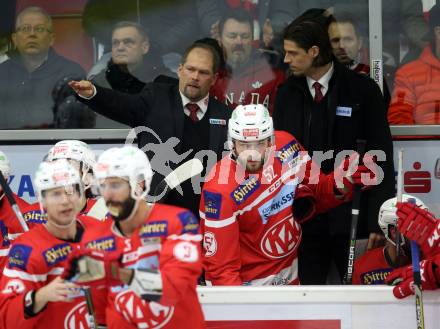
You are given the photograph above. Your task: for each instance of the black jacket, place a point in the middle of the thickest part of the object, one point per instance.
(367, 121)
(159, 107)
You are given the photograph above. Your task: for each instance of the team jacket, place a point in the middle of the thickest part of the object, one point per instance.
(10, 227)
(256, 83)
(371, 268)
(169, 241)
(35, 259)
(249, 233)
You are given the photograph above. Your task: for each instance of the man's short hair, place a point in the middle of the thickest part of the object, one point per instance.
(141, 30)
(207, 47)
(346, 17)
(309, 33)
(35, 10)
(240, 15)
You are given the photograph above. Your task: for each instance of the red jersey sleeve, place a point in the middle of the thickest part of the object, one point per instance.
(221, 259)
(180, 260)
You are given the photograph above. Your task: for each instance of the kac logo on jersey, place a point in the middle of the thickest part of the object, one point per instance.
(35, 216)
(149, 315)
(245, 190)
(281, 239)
(213, 204)
(57, 254)
(152, 229)
(288, 151)
(104, 244)
(209, 244)
(190, 224)
(375, 277)
(281, 201)
(78, 317)
(19, 256)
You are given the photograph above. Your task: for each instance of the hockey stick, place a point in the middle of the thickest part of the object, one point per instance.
(182, 173)
(91, 317)
(415, 258)
(355, 205)
(14, 206)
(399, 199)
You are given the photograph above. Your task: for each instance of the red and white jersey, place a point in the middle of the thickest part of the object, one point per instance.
(257, 83)
(168, 241)
(9, 225)
(249, 233)
(371, 268)
(10, 228)
(35, 259)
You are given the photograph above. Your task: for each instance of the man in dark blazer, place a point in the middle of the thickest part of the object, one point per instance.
(326, 106)
(182, 115)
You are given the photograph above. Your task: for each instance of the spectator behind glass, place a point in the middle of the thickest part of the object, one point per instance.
(28, 77)
(131, 66)
(347, 44)
(416, 97)
(249, 78)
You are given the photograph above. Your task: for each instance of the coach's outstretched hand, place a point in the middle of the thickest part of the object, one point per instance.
(83, 88)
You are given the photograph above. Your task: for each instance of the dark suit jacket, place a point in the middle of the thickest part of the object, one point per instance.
(159, 107)
(367, 121)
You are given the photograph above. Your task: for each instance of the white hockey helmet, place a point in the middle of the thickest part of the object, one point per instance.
(126, 162)
(74, 150)
(250, 123)
(5, 166)
(59, 173)
(388, 216)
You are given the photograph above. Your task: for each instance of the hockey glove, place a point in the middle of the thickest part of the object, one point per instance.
(87, 267)
(419, 225)
(404, 280)
(303, 206)
(351, 173)
(147, 284)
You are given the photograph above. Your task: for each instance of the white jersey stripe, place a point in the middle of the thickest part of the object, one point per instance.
(4, 252)
(219, 223)
(32, 277)
(186, 237)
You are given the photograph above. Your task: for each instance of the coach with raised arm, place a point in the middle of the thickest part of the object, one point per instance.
(183, 116)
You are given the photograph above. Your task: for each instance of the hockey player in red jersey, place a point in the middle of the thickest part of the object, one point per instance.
(32, 294)
(255, 199)
(374, 266)
(81, 157)
(158, 247)
(9, 224)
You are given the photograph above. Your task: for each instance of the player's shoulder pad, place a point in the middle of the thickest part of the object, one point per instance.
(19, 256)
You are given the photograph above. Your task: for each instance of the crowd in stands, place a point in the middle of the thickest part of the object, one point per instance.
(137, 42)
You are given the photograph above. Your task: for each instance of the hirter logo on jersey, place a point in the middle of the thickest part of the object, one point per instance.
(153, 229)
(57, 254)
(35, 216)
(190, 224)
(213, 204)
(104, 244)
(245, 190)
(19, 256)
(281, 239)
(375, 277)
(288, 152)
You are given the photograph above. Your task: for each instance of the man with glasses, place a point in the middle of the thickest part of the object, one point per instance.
(28, 77)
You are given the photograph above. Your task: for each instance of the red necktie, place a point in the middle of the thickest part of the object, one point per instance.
(193, 109)
(318, 93)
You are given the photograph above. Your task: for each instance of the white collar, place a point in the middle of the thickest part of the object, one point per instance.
(203, 105)
(323, 81)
